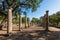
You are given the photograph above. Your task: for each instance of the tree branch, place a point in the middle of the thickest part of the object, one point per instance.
(20, 5)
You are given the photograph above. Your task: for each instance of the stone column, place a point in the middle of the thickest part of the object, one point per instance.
(44, 21)
(9, 27)
(25, 20)
(28, 22)
(20, 21)
(47, 20)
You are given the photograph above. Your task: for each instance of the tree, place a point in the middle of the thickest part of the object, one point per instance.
(13, 6)
(58, 17)
(23, 19)
(55, 18)
(35, 20)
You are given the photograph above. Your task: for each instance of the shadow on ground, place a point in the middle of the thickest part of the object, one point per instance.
(33, 35)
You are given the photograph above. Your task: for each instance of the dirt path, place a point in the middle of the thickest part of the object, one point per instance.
(53, 29)
(34, 33)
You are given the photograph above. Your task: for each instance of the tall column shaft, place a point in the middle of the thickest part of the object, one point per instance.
(20, 21)
(47, 20)
(28, 22)
(25, 21)
(44, 20)
(9, 28)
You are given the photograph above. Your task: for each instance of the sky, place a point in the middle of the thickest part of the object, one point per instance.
(52, 5)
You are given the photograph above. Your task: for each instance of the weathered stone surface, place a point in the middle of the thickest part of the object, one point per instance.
(9, 28)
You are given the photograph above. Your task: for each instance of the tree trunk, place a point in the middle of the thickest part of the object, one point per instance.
(20, 21)
(9, 27)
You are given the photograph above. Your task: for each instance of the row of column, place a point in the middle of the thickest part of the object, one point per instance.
(9, 27)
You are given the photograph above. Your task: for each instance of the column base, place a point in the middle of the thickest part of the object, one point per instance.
(47, 30)
(9, 34)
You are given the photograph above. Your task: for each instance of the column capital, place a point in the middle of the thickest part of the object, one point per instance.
(10, 8)
(20, 13)
(47, 10)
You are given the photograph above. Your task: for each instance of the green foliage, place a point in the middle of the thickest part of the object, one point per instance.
(16, 19)
(18, 5)
(34, 4)
(23, 19)
(36, 20)
(55, 18)
(1, 18)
